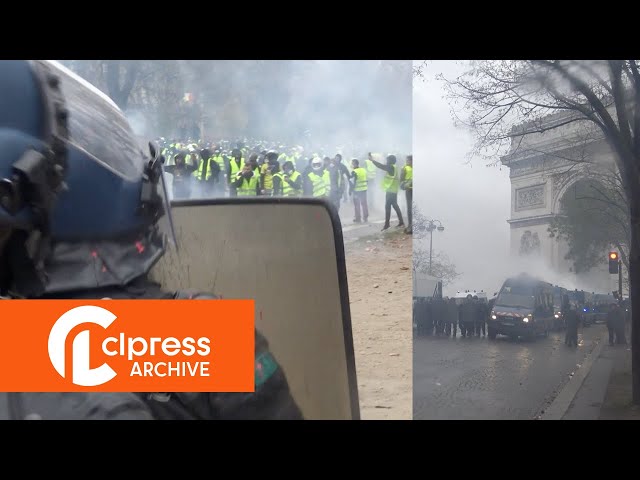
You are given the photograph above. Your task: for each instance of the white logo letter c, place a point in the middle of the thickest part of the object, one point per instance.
(82, 374)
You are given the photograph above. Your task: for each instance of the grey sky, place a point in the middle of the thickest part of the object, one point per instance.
(471, 200)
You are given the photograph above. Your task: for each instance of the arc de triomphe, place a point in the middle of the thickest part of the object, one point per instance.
(543, 167)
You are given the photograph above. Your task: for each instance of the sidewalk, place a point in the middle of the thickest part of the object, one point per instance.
(605, 393)
(617, 401)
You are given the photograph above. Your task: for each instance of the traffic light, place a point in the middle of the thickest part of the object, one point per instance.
(613, 262)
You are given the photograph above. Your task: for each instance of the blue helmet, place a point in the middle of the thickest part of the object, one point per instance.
(60, 135)
(33, 148)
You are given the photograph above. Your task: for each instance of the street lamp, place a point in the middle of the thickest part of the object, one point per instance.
(431, 226)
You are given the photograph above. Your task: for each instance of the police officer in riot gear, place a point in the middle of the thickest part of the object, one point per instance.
(467, 317)
(481, 316)
(615, 324)
(108, 227)
(570, 315)
(33, 165)
(429, 321)
(452, 318)
(438, 309)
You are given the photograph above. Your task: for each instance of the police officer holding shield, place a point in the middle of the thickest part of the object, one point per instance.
(84, 215)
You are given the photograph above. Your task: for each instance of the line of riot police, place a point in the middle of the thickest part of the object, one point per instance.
(442, 317)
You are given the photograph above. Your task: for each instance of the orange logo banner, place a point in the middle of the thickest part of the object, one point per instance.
(127, 345)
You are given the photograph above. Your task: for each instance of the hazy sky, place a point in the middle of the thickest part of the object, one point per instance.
(471, 200)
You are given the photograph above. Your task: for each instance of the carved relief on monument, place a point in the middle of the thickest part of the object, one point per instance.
(548, 161)
(559, 180)
(525, 167)
(530, 197)
(528, 165)
(529, 244)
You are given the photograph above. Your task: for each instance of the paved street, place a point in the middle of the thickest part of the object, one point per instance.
(477, 378)
(353, 231)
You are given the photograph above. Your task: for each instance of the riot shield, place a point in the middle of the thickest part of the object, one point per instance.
(287, 255)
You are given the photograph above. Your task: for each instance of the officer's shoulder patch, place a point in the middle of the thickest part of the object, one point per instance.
(265, 367)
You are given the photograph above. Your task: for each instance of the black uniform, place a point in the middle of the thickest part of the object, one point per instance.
(571, 319)
(467, 318)
(452, 318)
(422, 313)
(429, 323)
(418, 318)
(615, 324)
(271, 400)
(73, 406)
(438, 308)
(481, 317)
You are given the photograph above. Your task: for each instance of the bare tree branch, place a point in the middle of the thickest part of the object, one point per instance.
(618, 90)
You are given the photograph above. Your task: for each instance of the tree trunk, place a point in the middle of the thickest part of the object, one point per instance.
(131, 74)
(634, 292)
(120, 93)
(112, 79)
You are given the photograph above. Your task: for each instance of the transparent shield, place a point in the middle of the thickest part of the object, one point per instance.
(288, 256)
(166, 224)
(98, 127)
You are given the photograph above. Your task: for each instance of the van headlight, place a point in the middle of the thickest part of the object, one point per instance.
(557, 316)
(525, 320)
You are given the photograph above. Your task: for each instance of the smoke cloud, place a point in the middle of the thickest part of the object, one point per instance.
(353, 106)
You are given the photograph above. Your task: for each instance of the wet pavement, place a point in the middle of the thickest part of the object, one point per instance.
(354, 231)
(481, 379)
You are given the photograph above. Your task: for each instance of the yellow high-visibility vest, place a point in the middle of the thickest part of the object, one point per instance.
(391, 182)
(248, 187)
(320, 183)
(361, 179)
(288, 190)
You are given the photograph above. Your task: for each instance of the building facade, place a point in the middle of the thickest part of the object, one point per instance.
(543, 167)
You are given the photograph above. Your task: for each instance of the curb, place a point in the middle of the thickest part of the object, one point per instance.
(562, 402)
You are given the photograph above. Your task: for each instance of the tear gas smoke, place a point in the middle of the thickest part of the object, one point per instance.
(472, 201)
(140, 124)
(360, 106)
(328, 107)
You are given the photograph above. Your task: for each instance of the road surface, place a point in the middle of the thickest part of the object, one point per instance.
(354, 231)
(482, 379)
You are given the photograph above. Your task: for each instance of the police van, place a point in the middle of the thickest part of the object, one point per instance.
(524, 307)
(559, 293)
(597, 308)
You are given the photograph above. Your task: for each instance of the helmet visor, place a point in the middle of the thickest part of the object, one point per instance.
(98, 127)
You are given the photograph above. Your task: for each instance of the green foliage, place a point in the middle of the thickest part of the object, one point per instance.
(593, 220)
